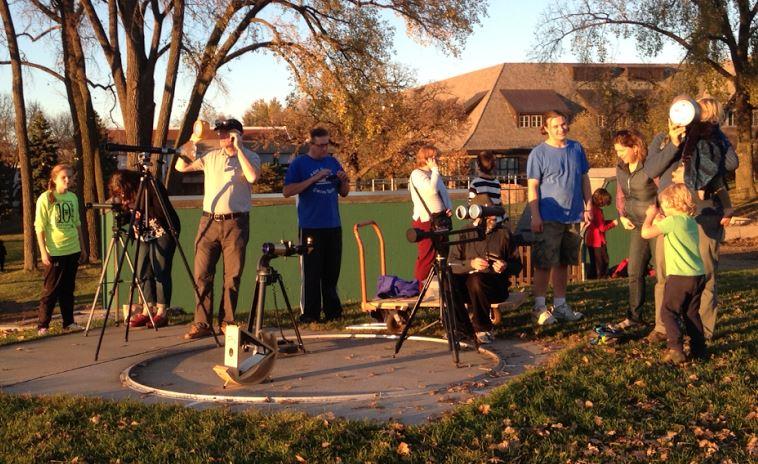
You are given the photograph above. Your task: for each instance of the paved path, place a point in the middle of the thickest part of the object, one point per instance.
(423, 377)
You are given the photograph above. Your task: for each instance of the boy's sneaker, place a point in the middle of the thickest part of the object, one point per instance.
(43, 331)
(542, 316)
(564, 312)
(74, 327)
(674, 357)
(485, 338)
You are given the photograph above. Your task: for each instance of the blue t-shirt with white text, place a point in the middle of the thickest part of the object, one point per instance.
(560, 172)
(317, 206)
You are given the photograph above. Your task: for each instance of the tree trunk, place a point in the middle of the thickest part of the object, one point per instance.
(84, 114)
(27, 201)
(744, 176)
(138, 110)
(172, 70)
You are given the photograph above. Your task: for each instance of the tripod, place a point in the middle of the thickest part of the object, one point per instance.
(265, 346)
(265, 277)
(448, 303)
(116, 238)
(147, 186)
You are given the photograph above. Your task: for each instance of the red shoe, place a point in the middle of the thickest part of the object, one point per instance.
(160, 321)
(139, 320)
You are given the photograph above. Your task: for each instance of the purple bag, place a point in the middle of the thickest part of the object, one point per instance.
(389, 286)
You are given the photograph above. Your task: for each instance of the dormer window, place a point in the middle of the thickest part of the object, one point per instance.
(529, 120)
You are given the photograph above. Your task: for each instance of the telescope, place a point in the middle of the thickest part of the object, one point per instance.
(414, 235)
(478, 211)
(286, 248)
(138, 149)
(113, 204)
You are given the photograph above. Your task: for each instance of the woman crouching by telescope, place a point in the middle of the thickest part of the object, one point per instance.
(156, 253)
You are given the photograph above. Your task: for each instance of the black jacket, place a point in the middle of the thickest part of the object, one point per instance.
(634, 192)
(663, 157)
(496, 244)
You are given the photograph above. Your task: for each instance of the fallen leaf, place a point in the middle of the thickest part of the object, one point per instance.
(95, 419)
(598, 421)
(588, 404)
(403, 449)
(299, 458)
(325, 444)
(640, 383)
(752, 446)
(484, 409)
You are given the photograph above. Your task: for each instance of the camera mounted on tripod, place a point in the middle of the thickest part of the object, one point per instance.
(120, 215)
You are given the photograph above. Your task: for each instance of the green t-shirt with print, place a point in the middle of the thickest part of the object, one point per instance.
(681, 245)
(59, 222)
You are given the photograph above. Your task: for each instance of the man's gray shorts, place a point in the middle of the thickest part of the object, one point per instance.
(557, 244)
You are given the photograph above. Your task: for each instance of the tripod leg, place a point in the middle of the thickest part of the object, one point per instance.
(254, 305)
(135, 278)
(119, 266)
(448, 312)
(416, 306)
(260, 302)
(111, 246)
(292, 314)
(175, 235)
(139, 286)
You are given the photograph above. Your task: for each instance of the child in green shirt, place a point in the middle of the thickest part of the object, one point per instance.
(685, 274)
(61, 247)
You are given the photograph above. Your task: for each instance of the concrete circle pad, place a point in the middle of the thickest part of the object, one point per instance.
(336, 367)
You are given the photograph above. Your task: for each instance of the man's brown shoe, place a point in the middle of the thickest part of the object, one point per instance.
(197, 331)
(674, 357)
(223, 326)
(656, 337)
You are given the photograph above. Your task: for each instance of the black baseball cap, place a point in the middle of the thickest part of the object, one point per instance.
(227, 125)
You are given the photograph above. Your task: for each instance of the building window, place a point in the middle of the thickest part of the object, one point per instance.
(730, 119)
(602, 120)
(507, 167)
(529, 120)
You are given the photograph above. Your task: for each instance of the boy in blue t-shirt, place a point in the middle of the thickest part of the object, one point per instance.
(559, 199)
(316, 179)
(685, 274)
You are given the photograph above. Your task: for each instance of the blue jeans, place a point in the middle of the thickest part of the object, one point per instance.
(154, 269)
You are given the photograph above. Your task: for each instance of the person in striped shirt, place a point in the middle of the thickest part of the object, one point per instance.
(486, 183)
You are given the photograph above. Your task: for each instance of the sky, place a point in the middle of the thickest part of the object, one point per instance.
(506, 35)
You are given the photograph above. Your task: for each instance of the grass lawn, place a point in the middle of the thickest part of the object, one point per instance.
(589, 404)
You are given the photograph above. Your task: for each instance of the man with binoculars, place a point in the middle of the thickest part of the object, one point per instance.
(481, 268)
(225, 225)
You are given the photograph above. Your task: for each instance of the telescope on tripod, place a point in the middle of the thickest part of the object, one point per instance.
(148, 187)
(263, 346)
(442, 240)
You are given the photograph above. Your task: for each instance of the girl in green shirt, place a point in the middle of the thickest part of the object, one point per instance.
(61, 247)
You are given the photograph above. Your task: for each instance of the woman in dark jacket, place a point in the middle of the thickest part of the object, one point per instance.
(157, 250)
(635, 191)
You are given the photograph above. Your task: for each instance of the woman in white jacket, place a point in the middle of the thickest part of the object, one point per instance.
(429, 196)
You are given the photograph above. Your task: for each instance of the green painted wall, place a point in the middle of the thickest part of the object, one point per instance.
(275, 222)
